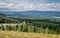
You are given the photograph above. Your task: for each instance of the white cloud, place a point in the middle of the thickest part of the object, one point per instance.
(5, 5)
(49, 7)
(28, 6)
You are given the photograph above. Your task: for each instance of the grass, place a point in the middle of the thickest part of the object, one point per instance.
(15, 34)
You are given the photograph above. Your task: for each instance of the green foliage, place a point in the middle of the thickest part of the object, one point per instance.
(2, 27)
(37, 27)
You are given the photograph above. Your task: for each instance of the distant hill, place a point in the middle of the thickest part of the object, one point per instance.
(51, 15)
(5, 19)
(32, 13)
(2, 14)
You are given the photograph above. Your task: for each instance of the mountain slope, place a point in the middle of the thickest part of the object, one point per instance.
(5, 19)
(2, 14)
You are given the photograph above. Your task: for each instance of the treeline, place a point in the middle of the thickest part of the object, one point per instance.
(39, 20)
(7, 20)
(33, 27)
(50, 26)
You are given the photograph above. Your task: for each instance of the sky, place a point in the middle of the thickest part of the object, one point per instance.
(26, 5)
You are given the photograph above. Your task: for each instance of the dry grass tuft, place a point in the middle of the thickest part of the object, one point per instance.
(15, 34)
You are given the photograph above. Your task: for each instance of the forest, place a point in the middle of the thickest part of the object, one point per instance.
(33, 25)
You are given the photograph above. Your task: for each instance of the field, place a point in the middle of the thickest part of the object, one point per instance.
(26, 27)
(15, 34)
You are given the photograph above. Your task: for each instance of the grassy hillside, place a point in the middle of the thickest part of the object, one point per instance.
(15, 34)
(5, 19)
(45, 26)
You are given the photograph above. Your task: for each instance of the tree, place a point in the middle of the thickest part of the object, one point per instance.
(9, 28)
(2, 27)
(16, 27)
(47, 30)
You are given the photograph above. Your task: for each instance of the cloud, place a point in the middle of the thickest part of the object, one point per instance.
(13, 6)
(42, 5)
(24, 1)
(49, 7)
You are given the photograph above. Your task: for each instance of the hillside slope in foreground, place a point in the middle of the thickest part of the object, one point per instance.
(15, 34)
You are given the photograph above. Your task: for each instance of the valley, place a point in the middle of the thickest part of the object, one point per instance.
(36, 22)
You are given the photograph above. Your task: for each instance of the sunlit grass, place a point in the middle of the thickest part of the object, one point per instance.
(15, 34)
